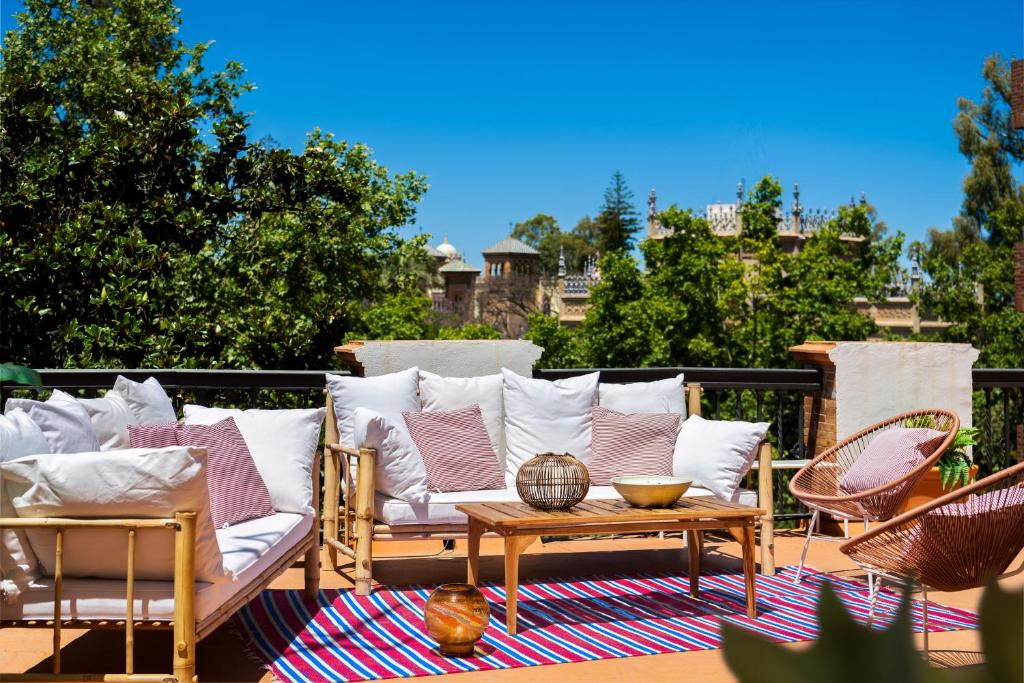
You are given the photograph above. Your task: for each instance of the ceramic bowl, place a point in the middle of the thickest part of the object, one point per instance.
(651, 491)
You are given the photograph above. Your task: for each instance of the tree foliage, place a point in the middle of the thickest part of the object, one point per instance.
(618, 221)
(543, 233)
(143, 227)
(970, 266)
(709, 300)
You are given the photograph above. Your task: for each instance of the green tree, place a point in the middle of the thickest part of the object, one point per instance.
(141, 226)
(560, 343)
(618, 221)
(970, 266)
(543, 233)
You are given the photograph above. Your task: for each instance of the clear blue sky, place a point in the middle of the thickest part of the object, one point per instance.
(512, 109)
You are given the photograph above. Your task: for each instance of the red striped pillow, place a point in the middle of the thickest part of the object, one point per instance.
(890, 455)
(633, 443)
(456, 450)
(237, 491)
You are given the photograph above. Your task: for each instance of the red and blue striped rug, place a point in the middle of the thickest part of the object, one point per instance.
(344, 637)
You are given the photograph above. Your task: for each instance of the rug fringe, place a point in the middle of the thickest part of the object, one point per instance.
(245, 639)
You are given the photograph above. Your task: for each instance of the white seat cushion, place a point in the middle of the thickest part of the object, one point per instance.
(440, 509)
(249, 548)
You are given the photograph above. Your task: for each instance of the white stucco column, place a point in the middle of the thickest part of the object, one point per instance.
(866, 382)
(454, 358)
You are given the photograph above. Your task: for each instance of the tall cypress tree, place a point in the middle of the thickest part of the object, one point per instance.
(618, 220)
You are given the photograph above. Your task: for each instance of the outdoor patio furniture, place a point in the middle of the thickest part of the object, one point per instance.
(953, 543)
(520, 525)
(818, 485)
(356, 514)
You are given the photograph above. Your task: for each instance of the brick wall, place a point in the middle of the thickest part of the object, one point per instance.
(1018, 276)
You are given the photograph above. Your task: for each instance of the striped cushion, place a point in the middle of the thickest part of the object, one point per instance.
(636, 443)
(237, 491)
(889, 456)
(456, 450)
(153, 435)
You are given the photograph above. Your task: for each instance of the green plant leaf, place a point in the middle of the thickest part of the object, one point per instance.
(1002, 632)
(19, 374)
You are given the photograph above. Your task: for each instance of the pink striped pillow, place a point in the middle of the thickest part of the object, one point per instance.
(889, 456)
(456, 450)
(237, 491)
(633, 443)
(153, 435)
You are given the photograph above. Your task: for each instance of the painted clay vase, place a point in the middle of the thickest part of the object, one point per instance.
(456, 616)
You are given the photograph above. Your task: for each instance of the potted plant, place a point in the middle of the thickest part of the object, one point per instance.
(954, 469)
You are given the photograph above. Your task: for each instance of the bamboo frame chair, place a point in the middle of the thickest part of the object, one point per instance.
(188, 631)
(351, 530)
(817, 485)
(955, 542)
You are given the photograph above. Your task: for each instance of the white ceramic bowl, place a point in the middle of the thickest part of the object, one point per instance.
(651, 491)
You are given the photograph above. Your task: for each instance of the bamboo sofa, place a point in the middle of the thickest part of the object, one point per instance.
(192, 610)
(352, 506)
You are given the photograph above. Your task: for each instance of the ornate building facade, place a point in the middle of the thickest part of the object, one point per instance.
(510, 286)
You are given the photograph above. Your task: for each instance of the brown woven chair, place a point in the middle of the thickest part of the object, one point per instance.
(955, 542)
(817, 486)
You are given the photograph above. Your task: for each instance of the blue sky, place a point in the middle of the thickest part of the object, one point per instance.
(512, 109)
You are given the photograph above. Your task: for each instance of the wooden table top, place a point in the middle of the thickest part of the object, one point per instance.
(519, 514)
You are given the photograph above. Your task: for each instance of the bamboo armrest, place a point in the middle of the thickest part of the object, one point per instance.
(69, 522)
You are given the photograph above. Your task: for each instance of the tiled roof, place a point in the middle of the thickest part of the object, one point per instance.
(457, 266)
(510, 245)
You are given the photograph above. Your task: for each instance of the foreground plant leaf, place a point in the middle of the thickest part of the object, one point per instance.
(845, 652)
(19, 374)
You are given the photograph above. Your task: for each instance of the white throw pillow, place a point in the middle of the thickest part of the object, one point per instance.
(660, 396)
(399, 471)
(283, 444)
(390, 395)
(63, 421)
(147, 400)
(130, 483)
(19, 436)
(452, 393)
(716, 454)
(543, 416)
(110, 417)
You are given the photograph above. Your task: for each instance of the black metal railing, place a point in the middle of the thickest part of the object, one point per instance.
(999, 417)
(222, 388)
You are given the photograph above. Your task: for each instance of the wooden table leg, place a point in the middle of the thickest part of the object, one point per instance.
(745, 536)
(474, 530)
(511, 582)
(693, 546)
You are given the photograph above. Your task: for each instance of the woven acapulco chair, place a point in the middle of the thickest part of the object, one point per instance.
(817, 485)
(953, 543)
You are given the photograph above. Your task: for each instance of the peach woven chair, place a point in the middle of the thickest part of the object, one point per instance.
(955, 542)
(817, 484)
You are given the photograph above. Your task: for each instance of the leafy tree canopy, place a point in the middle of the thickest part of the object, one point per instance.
(143, 227)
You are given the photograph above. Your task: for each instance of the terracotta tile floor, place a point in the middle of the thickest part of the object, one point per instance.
(222, 658)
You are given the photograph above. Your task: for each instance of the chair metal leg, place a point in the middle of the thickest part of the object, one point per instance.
(871, 575)
(807, 542)
(924, 615)
(875, 590)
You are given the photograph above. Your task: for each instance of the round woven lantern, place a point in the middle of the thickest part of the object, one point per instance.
(552, 481)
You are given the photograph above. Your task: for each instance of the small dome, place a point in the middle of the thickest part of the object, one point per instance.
(448, 250)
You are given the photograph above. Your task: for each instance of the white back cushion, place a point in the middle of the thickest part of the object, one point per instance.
(390, 395)
(19, 436)
(110, 417)
(543, 416)
(283, 444)
(660, 396)
(147, 400)
(453, 393)
(131, 483)
(399, 471)
(716, 454)
(64, 422)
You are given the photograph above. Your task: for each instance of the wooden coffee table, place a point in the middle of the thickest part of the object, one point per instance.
(521, 525)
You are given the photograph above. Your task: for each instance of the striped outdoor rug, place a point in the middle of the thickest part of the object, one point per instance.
(350, 638)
